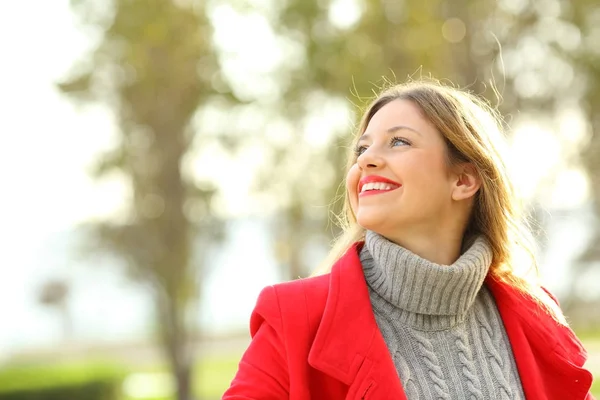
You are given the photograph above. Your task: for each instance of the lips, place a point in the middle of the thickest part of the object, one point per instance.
(374, 179)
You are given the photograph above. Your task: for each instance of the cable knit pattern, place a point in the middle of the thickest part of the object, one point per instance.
(493, 344)
(467, 368)
(440, 323)
(408, 381)
(434, 369)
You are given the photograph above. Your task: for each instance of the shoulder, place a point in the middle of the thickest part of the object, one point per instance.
(519, 301)
(299, 301)
(538, 323)
(300, 304)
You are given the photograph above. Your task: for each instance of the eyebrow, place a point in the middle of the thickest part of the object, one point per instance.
(392, 130)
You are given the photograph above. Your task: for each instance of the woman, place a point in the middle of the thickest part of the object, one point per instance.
(427, 297)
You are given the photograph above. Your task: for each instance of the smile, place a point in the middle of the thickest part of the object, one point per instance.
(381, 188)
(376, 185)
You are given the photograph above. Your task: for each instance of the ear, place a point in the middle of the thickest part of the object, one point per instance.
(467, 182)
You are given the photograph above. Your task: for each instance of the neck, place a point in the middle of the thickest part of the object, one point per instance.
(442, 247)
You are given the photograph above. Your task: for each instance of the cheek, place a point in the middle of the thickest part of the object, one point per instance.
(426, 169)
(429, 179)
(352, 186)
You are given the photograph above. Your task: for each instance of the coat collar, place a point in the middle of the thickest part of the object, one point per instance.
(347, 328)
(349, 346)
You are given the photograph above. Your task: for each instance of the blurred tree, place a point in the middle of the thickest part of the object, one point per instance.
(348, 48)
(552, 65)
(55, 293)
(154, 67)
(584, 15)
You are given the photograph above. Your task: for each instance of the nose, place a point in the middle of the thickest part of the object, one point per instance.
(370, 159)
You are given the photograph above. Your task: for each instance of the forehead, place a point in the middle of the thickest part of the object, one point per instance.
(399, 113)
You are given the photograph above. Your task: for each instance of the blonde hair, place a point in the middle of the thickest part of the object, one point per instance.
(473, 133)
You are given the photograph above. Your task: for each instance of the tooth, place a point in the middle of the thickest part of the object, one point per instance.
(377, 186)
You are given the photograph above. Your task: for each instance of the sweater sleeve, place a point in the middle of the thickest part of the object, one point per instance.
(263, 371)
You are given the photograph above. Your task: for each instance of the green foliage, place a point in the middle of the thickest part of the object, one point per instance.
(526, 57)
(389, 41)
(154, 67)
(59, 382)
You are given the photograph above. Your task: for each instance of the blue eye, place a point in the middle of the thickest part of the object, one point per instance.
(399, 141)
(394, 142)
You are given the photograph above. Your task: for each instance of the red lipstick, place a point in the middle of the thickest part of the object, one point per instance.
(376, 179)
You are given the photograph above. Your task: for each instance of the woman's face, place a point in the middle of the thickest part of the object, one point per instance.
(401, 183)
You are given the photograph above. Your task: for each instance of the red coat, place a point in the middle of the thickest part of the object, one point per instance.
(317, 338)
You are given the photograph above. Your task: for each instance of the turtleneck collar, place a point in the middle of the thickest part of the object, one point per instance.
(430, 296)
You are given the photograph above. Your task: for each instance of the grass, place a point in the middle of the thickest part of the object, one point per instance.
(19, 377)
(212, 376)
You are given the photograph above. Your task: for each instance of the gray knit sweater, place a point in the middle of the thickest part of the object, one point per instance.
(440, 323)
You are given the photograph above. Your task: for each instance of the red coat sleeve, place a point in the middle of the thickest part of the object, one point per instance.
(263, 371)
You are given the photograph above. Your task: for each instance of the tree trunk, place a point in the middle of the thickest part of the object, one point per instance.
(296, 241)
(67, 323)
(183, 381)
(177, 345)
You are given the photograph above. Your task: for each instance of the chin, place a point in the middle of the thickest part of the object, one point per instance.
(372, 222)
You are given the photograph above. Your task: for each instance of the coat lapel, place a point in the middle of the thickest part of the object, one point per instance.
(548, 356)
(348, 345)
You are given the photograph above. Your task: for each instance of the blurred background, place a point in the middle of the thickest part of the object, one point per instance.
(163, 160)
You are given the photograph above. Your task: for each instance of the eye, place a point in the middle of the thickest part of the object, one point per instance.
(358, 150)
(398, 141)
(394, 142)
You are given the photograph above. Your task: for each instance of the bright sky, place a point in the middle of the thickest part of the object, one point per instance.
(45, 147)
(47, 143)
